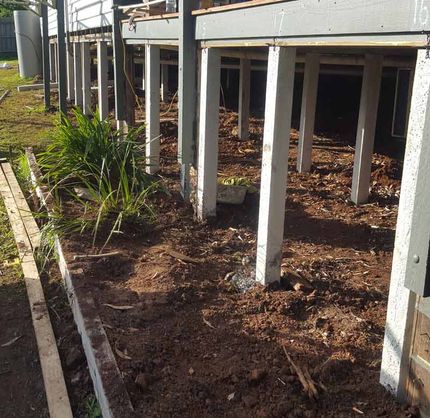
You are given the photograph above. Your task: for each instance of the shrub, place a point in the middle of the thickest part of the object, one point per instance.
(88, 154)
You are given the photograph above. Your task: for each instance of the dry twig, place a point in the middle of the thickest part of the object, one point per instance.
(304, 377)
(119, 307)
(89, 256)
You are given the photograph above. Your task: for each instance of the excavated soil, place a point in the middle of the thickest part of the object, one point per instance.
(189, 345)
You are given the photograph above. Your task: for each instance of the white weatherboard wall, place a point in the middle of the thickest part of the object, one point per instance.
(52, 22)
(82, 15)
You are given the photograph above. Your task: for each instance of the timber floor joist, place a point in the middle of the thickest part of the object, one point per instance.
(347, 23)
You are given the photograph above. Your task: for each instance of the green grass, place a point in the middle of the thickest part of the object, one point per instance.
(10, 266)
(92, 408)
(23, 121)
(10, 78)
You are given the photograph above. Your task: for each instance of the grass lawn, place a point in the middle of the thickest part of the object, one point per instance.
(10, 277)
(18, 127)
(23, 120)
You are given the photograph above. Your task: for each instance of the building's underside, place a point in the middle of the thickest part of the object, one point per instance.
(367, 39)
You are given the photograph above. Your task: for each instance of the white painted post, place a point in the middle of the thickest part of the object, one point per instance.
(143, 76)
(86, 77)
(187, 94)
(51, 74)
(152, 107)
(102, 79)
(401, 301)
(244, 98)
(208, 133)
(56, 62)
(70, 73)
(277, 126)
(366, 128)
(77, 67)
(307, 116)
(164, 82)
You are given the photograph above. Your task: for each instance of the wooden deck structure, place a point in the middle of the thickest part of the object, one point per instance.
(368, 35)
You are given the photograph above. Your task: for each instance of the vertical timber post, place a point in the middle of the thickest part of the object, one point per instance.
(69, 57)
(45, 56)
(102, 79)
(152, 107)
(77, 67)
(208, 133)
(61, 74)
(129, 85)
(244, 98)
(143, 76)
(52, 61)
(307, 116)
(56, 67)
(415, 178)
(277, 126)
(118, 67)
(70, 73)
(187, 92)
(164, 82)
(86, 77)
(366, 128)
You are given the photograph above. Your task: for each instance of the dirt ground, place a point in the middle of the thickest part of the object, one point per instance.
(72, 356)
(190, 345)
(21, 386)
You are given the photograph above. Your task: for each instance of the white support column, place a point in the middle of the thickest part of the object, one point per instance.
(77, 66)
(102, 79)
(152, 107)
(244, 98)
(56, 61)
(401, 301)
(277, 126)
(208, 133)
(143, 76)
(164, 82)
(86, 78)
(307, 116)
(366, 128)
(70, 73)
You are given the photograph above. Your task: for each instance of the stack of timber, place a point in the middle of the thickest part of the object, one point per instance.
(145, 9)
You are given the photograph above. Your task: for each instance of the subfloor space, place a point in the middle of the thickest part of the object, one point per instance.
(190, 345)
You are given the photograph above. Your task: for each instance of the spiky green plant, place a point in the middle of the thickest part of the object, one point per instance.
(23, 172)
(56, 225)
(89, 145)
(109, 165)
(92, 407)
